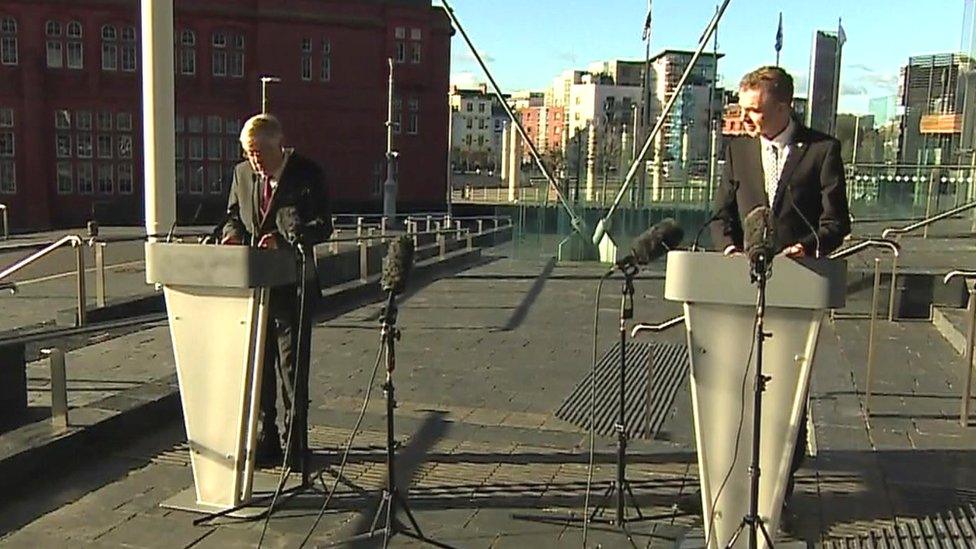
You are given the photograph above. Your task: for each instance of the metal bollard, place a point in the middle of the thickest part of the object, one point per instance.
(359, 226)
(970, 336)
(80, 283)
(363, 261)
(59, 388)
(6, 222)
(441, 245)
(496, 222)
(457, 227)
(383, 226)
(370, 233)
(871, 332)
(428, 223)
(98, 248)
(481, 226)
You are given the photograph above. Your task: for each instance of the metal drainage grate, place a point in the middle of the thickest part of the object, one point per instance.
(646, 406)
(953, 528)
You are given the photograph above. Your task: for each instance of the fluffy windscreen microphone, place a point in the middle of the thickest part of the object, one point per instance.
(397, 264)
(654, 242)
(760, 234)
(289, 225)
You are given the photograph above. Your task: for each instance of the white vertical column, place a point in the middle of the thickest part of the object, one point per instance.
(506, 145)
(158, 116)
(515, 164)
(590, 161)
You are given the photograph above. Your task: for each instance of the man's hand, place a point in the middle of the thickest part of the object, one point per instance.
(268, 241)
(794, 251)
(231, 240)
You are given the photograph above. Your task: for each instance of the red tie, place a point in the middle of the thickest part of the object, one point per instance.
(265, 194)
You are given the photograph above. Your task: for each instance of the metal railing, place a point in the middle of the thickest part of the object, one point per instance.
(924, 224)
(6, 221)
(970, 336)
(78, 244)
(894, 248)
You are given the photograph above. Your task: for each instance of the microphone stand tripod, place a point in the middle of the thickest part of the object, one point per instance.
(759, 274)
(621, 486)
(392, 499)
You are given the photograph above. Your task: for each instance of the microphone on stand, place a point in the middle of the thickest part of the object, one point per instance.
(653, 243)
(760, 237)
(397, 265)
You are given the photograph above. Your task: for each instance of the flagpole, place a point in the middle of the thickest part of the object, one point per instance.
(779, 38)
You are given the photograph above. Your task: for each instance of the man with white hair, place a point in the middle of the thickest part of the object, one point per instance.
(277, 200)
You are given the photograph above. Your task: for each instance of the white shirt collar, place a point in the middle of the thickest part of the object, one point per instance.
(784, 139)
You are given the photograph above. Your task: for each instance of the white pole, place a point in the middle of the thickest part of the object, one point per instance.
(158, 116)
(390, 185)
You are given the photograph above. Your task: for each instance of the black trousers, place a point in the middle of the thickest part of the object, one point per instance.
(280, 346)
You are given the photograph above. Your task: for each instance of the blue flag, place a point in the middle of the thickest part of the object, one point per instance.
(779, 34)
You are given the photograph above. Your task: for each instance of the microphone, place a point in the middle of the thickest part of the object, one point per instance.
(760, 235)
(813, 231)
(289, 225)
(715, 217)
(397, 264)
(653, 243)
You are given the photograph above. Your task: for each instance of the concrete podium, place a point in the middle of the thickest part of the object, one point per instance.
(720, 309)
(216, 300)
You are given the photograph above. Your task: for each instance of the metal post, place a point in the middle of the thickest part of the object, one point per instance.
(6, 223)
(383, 226)
(428, 223)
(874, 318)
(80, 280)
(441, 244)
(265, 99)
(894, 280)
(363, 261)
(390, 185)
(359, 227)
(971, 311)
(59, 388)
(928, 205)
(98, 248)
(481, 226)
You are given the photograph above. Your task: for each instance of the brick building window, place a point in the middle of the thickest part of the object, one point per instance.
(85, 179)
(215, 177)
(84, 142)
(196, 178)
(188, 52)
(8, 41)
(125, 178)
(180, 177)
(325, 74)
(399, 44)
(413, 108)
(219, 43)
(76, 55)
(106, 181)
(236, 57)
(65, 182)
(415, 46)
(306, 68)
(8, 168)
(129, 53)
(105, 146)
(62, 143)
(110, 48)
(55, 46)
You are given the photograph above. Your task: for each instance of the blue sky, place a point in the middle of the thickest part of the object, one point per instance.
(528, 42)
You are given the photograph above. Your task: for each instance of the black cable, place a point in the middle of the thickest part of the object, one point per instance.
(738, 434)
(345, 453)
(296, 376)
(589, 469)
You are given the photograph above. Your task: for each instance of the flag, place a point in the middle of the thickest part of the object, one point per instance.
(779, 34)
(647, 23)
(841, 35)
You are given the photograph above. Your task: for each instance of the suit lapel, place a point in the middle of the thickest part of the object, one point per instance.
(282, 182)
(798, 149)
(754, 168)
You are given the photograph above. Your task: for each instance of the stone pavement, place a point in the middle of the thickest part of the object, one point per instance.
(486, 358)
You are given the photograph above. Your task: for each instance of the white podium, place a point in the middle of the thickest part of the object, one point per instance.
(216, 300)
(720, 309)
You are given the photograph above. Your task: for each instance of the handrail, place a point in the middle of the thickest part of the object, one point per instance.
(953, 274)
(667, 324)
(863, 245)
(928, 221)
(78, 244)
(970, 339)
(74, 240)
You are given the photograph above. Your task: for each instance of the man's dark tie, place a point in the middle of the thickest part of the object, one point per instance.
(266, 192)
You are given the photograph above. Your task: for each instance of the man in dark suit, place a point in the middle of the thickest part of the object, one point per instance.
(794, 170)
(278, 199)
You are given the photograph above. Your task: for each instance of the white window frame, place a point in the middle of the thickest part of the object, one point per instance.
(9, 54)
(70, 178)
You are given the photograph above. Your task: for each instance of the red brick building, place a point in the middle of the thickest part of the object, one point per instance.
(544, 126)
(70, 101)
